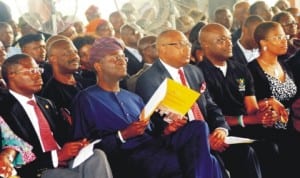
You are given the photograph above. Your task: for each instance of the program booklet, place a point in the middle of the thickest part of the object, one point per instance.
(171, 96)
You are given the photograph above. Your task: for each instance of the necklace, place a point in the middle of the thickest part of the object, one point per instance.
(271, 67)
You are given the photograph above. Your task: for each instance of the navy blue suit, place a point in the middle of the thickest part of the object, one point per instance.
(133, 64)
(149, 81)
(184, 154)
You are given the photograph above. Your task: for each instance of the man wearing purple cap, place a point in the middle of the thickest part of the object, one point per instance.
(113, 114)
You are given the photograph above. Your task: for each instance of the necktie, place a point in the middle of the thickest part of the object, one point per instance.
(195, 108)
(47, 138)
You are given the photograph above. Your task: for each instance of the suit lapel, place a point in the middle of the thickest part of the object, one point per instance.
(20, 122)
(45, 110)
(162, 71)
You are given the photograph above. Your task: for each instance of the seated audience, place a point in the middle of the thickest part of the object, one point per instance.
(262, 9)
(240, 14)
(14, 153)
(117, 19)
(246, 49)
(245, 163)
(64, 84)
(273, 78)
(290, 27)
(115, 115)
(83, 45)
(104, 29)
(35, 46)
(282, 4)
(196, 51)
(36, 121)
(224, 17)
(231, 87)
(7, 38)
(147, 48)
(131, 34)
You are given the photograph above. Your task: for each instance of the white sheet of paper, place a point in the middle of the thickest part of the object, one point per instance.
(85, 153)
(237, 140)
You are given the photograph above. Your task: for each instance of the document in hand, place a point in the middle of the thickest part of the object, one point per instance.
(171, 96)
(238, 140)
(84, 153)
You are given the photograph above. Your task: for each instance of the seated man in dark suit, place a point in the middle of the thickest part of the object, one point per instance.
(113, 114)
(130, 34)
(174, 56)
(245, 48)
(146, 46)
(35, 120)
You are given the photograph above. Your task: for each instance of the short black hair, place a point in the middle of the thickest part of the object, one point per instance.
(81, 41)
(30, 38)
(9, 63)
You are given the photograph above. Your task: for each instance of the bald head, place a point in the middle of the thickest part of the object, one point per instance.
(173, 48)
(241, 11)
(58, 46)
(208, 32)
(52, 40)
(216, 44)
(167, 36)
(261, 9)
(241, 5)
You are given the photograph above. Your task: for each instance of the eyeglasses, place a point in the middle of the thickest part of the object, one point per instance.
(31, 71)
(223, 40)
(179, 44)
(290, 24)
(279, 38)
(153, 45)
(118, 59)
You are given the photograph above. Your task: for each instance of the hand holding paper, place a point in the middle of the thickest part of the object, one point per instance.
(85, 153)
(170, 96)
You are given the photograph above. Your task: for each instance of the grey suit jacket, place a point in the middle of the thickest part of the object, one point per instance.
(131, 81)
(149, 81)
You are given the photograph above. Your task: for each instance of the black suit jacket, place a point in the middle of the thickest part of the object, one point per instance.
(149, 81)
(133, 64)
(17, 119)
(238, 55)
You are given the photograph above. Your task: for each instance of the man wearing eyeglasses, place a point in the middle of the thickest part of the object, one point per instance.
(36, 120)
(115, 115)
(147, 48)
(174, 54)
(290, 27)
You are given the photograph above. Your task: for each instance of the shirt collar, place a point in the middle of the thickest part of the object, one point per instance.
(172, 71)
(21, 98)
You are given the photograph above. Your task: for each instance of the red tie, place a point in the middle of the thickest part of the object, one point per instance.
(48, 140)
(195, 108)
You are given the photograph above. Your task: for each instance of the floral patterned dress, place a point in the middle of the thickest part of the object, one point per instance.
(10, 140)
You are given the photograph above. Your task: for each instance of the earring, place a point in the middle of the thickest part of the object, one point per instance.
(265, 48)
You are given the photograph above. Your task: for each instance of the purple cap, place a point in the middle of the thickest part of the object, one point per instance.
(103, 47)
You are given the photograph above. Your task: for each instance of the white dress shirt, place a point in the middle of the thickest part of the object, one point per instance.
(29, 109)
